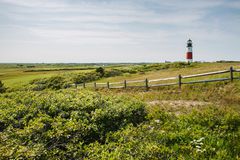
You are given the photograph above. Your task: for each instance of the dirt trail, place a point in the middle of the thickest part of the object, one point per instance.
(178, 103)
(179, 107)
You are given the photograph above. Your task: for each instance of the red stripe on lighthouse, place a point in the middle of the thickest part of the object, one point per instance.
(189, 55)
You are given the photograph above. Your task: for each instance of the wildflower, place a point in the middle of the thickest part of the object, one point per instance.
(150, 127)
(198, 147)
(199, 140)
(198, 144)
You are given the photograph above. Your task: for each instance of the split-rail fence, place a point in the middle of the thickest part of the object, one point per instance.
(177, 81)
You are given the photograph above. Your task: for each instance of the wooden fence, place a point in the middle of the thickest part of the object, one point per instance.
(177, 81)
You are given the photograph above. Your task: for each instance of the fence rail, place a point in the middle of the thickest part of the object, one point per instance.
(116, 83)
(206, 74)
(137, 81)
(162, 79)
(179, 80)
(204, 81)
(165, 84)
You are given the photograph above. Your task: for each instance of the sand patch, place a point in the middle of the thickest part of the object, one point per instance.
(178, 106)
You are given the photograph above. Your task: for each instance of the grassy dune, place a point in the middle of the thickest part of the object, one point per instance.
(173, 72)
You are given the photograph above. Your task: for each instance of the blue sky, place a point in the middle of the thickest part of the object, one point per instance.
(118, 30)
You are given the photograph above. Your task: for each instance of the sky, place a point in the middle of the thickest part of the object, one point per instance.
(93, 31)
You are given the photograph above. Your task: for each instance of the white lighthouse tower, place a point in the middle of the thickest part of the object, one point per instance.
(189, 54)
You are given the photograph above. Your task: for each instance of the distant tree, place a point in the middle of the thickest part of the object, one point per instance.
(2, 88)
(101, 71)
(20, 65)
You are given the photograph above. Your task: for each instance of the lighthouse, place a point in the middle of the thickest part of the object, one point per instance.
(189, 54)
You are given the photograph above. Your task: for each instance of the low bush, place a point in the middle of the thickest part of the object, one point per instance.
(66, 124)
(54, 83)
(212, 133)
(100, 71)
(85, 77)
(58, 125)
(113, 73)
(2, 87)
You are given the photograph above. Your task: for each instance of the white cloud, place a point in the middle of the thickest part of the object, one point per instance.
(157, 26)
(100, 36)
(113, 14)
(36, 3)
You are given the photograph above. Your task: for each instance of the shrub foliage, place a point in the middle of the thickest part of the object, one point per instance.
(2, 87)
(45, 125)
(66, 124)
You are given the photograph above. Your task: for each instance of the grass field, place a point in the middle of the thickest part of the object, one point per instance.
(174, 72)
(200, 121)
(14, 76)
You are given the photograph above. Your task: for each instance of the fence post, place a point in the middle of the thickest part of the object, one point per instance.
(108, 85)
(146, 84)
(179, 81)
(231, 74)
(84, 85)
(125, 84)
(95, 85)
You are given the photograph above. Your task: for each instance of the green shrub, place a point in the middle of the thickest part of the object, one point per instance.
(2, 88)
(58, 125)
(113, 73)
(85, 77)
(101, 71)
(54, 83)
(67, 124)
(211, 133)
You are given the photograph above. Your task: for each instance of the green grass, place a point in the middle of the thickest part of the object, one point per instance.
(112, 124)
(173, 72)
(200, 121)
(17, 77)
(14, 76)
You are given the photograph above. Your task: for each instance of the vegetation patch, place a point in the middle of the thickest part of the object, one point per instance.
(211, 133)
(2, 87)
(47, 125)
(200, 121)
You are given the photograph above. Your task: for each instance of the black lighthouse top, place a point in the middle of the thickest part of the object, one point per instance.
(189, 43)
